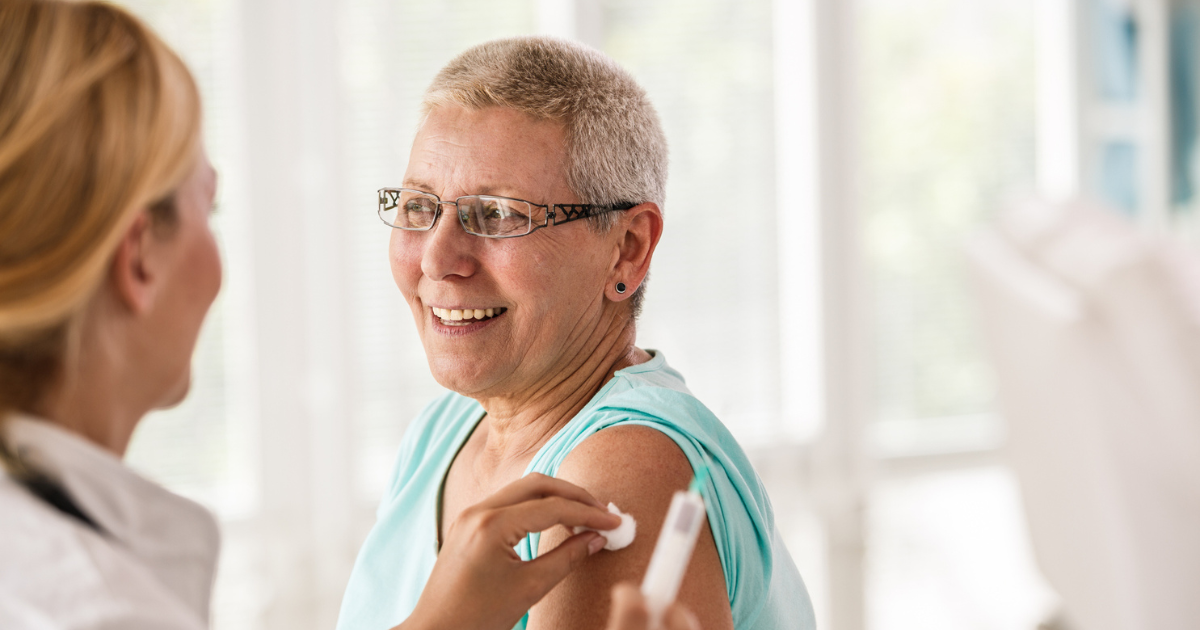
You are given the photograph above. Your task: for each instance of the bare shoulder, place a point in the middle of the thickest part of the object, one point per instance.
(631, 462)
(639, 469)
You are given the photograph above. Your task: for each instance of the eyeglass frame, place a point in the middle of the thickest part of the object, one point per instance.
(572, 211)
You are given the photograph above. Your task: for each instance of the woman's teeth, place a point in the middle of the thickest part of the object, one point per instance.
(466, 314)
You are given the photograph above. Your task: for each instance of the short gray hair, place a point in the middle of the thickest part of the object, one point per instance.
(616, 149)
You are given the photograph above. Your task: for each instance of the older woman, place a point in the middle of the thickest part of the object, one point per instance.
(528, 218)
(107, 268)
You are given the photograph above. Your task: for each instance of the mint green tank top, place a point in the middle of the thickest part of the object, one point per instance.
(765, 589)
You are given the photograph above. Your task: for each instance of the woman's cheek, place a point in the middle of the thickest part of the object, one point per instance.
(405, 263)
(217, 270)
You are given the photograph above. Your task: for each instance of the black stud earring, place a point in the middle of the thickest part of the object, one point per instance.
(621, 288)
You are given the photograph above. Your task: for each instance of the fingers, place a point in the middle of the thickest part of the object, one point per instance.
(547, 570)
(679, 618)
(536, 486)
(629, 610)
(542, 514)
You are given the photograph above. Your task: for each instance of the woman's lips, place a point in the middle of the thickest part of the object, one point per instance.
(465, 316)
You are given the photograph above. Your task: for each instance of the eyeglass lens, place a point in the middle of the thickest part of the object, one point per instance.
(407, 209)
(479, 214)
(495, 216)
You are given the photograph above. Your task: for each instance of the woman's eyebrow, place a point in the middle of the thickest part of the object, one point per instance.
(417, 185)
(495, 190)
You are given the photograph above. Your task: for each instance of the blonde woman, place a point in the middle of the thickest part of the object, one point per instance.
(107, 269)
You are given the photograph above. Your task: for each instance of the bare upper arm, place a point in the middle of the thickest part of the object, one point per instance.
(638, 469)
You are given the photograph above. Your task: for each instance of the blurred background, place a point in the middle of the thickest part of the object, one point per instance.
(835, 329)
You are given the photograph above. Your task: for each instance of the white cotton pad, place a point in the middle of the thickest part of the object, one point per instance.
(620, 537)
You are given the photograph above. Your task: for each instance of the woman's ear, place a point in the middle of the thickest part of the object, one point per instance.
(133, 274)
(637, 236)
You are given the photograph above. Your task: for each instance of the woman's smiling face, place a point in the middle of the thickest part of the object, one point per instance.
(545, 291)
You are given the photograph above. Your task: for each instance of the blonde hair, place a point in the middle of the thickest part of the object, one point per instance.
(99, 121)
(616, 149)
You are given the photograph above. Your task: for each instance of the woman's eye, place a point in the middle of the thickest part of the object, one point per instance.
(512, 212)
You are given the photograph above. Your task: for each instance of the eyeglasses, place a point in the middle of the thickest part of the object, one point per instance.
(482, 215)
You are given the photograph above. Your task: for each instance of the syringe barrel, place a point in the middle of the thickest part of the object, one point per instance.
(672, 553)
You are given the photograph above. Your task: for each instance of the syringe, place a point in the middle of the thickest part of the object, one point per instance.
(673, 550)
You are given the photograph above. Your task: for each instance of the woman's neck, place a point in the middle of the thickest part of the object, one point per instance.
(519, 424)
(98, 396)
(92, 412)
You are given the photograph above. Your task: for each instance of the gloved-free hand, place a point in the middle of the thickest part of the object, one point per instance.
(480, 583)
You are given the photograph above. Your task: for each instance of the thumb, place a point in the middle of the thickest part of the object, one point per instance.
(680, 618)
(628, 611)
(546, 571)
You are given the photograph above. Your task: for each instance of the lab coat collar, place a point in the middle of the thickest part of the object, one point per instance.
(174, 537)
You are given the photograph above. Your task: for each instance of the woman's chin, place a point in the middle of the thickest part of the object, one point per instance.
(178, 393)
(463, 376)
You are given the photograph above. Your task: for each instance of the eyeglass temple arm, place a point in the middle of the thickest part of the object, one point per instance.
(573, 211)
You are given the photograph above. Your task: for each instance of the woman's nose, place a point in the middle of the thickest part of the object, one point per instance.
(449, 250)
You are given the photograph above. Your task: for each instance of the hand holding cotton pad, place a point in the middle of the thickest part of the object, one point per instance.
(620, 537)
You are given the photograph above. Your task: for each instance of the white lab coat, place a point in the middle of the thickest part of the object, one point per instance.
(151, 568)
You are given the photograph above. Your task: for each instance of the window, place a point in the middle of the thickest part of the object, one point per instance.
(711, 300)
(947, 137)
